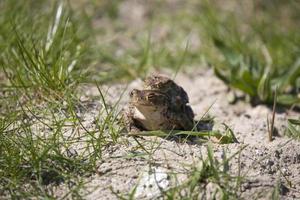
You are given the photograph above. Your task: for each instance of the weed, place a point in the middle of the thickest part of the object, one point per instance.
(293, 128)
(255, 61)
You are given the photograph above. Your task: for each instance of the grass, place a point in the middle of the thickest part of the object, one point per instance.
(40, 125)
(45, 62)
(208, 174)
(214, 135)
(48, 49)
(212, 177)
(51, 147)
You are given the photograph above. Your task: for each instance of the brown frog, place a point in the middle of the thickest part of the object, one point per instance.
(153, 110)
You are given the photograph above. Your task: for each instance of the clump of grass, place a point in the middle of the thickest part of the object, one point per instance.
(254, 56)
(209, 178)
(211, 172)
(43, 140)
(41, 55)
(41, 148)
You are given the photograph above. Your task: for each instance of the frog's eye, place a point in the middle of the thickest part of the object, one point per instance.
(150, 96)
(131, 93)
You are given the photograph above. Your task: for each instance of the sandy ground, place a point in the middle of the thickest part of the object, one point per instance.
(263, 164)
(125, 166)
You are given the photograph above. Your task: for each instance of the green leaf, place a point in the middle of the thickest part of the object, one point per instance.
(231, 56)
(285, 99)
(293, 128)
(221, 75)
(263, 89)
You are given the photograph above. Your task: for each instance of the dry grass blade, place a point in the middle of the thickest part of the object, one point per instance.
(271, 129)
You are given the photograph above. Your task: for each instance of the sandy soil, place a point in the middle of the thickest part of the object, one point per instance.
(125, 166)
(263, 164)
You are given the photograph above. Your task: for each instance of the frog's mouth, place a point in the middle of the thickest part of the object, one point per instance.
(142, 103)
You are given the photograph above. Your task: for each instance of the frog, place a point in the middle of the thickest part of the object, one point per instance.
(150, 110)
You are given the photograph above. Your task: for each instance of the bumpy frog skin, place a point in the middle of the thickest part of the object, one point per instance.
(161, 105)
(178, 96)
(168, 86)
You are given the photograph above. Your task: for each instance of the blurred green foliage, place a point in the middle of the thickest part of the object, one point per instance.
(257, 55)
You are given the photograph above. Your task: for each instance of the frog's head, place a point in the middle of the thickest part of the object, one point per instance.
(148, 98)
